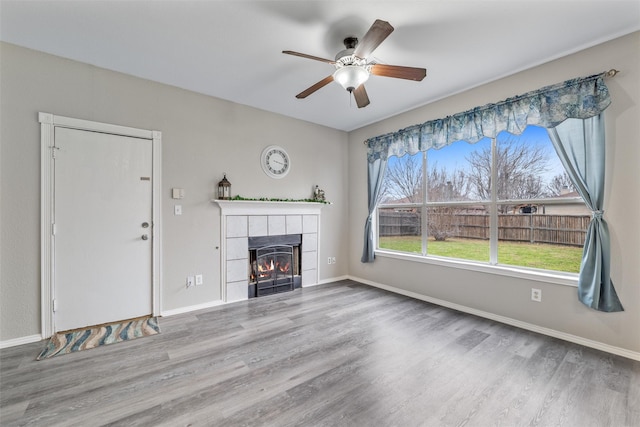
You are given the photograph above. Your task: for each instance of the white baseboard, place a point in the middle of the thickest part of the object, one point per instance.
(191, 308)
(19, 341)
(507, 320)
(331, 280)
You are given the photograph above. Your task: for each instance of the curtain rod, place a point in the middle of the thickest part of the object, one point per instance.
(611, 73)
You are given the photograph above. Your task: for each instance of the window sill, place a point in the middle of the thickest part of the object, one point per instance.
(558, 278)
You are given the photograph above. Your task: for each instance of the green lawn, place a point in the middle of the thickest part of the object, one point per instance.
(547, 257)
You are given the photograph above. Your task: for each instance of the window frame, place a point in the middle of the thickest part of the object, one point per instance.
(493, 267)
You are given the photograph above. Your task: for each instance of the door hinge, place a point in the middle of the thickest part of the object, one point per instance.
(53, 151)
(55, 305)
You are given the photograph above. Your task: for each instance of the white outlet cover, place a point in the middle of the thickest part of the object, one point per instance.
(536, 295)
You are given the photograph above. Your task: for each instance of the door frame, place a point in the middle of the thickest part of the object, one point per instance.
(48, 123)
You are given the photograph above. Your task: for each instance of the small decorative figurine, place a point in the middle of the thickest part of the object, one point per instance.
(318, 194)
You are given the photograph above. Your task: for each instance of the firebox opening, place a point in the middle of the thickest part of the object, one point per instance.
(274, 264)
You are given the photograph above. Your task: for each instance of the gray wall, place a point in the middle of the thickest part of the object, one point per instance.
(510, 297)
(202, 137)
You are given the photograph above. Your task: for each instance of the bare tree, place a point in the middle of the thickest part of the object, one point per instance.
(403, 181)
(560, 184)
(403, 184)
(443, 186)
(520, 166)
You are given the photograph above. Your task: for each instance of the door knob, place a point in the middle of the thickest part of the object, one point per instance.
(145, 224)
(145, 237)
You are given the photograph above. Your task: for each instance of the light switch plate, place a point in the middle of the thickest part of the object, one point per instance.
(177, 193)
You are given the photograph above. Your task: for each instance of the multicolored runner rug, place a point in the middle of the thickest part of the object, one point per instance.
(95, 336)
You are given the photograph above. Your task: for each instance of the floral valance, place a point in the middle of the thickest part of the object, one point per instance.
(547, 107)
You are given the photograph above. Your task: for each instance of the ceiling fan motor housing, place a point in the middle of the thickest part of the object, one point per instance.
(351, 71)
(350, 42)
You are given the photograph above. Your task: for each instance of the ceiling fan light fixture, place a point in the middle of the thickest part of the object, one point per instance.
(351, 77)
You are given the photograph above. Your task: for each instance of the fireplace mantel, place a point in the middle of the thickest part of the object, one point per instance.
(241, 219)
(259, 207)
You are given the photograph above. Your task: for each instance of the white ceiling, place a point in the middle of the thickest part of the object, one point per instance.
(232, 49)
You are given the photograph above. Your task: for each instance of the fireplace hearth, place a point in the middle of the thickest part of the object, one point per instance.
(274, 264)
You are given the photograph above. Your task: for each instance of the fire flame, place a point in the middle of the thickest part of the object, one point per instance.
(266, 268)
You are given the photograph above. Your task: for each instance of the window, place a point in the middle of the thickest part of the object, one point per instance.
(503, 201)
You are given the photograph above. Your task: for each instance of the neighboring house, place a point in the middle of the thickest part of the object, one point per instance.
(570, 207)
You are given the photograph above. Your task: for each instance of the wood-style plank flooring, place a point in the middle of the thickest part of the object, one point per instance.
(342, 354)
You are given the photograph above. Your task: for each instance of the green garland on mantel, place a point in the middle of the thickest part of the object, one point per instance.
(267, 199)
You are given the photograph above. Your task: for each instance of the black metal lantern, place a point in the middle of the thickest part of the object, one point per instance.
(224, 189)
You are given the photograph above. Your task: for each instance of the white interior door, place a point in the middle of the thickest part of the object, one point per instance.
(103, 220)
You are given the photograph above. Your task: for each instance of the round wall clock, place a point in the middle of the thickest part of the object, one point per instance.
(275, 161)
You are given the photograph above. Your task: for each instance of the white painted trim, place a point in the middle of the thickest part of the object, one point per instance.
(545, 276)
(46, 224)
(223, 256)
(156, 272)
(256, 207)
(331, 280)
(509, 321)
(318, 243)
(20, 341)
(189, 309)
(73, 123)
(48, 123)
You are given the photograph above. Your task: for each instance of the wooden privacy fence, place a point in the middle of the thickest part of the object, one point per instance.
(554, 229)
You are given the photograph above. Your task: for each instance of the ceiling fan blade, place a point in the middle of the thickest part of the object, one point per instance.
(360, 94)
(322, 83)
(398, 72)
(304, 55)
(379, 31)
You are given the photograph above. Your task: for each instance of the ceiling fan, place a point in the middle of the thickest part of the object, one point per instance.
(353, 67)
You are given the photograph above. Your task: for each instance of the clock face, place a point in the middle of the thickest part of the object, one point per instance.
(275, 161)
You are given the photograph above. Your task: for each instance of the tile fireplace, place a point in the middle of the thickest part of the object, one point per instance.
(275, 227)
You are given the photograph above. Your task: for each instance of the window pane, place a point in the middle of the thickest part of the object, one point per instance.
(402, 180)
(400, 229)
(546, 234)
(460, 171)
(529, 168)
(458, 232)
(549, 241)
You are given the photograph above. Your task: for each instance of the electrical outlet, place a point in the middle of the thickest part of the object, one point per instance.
(177, 210)
(190, 281)
(329, 261)
(199, 279)
(536, 295)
